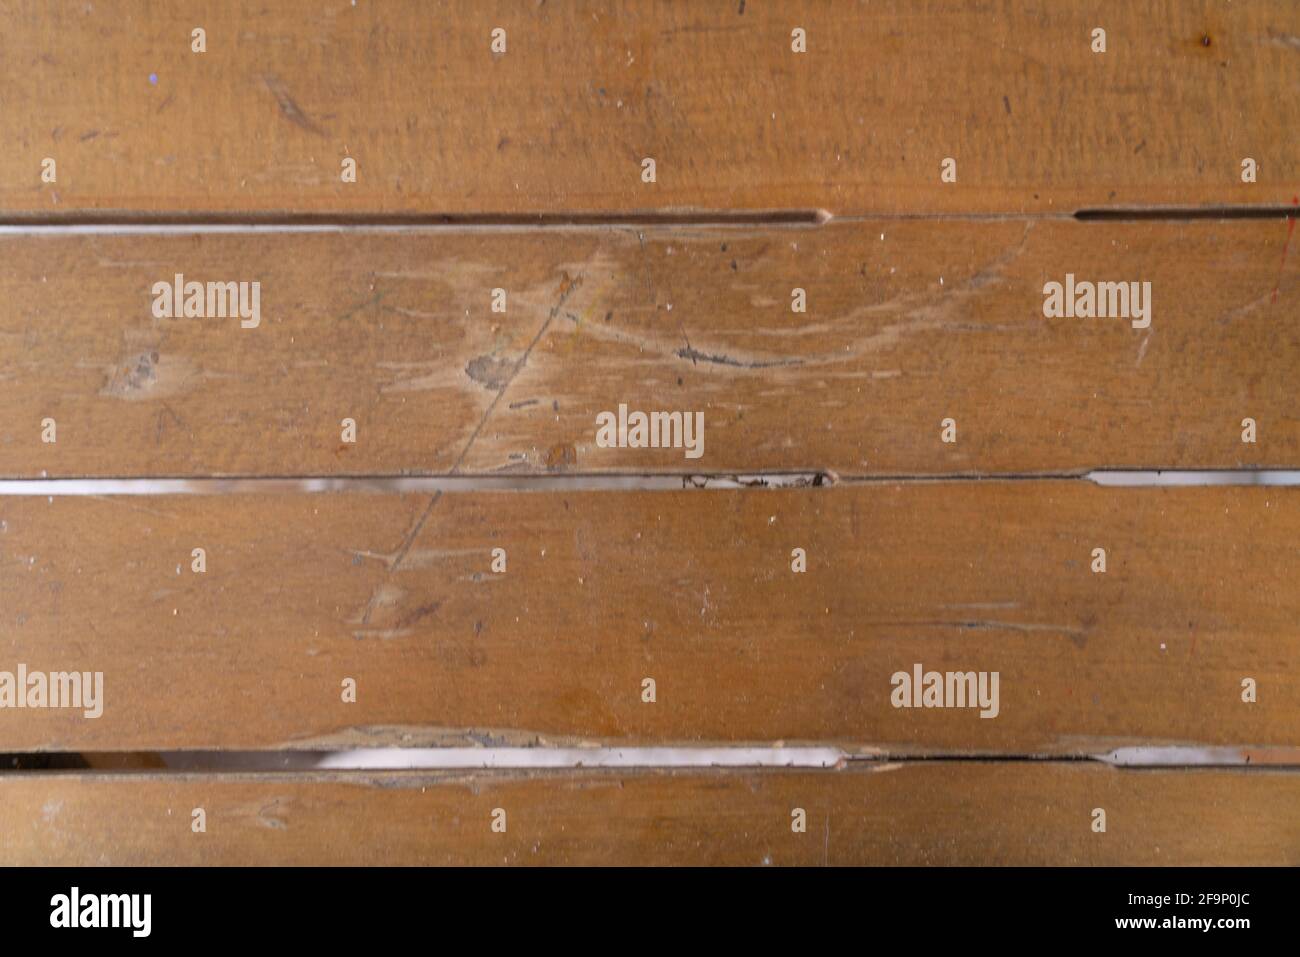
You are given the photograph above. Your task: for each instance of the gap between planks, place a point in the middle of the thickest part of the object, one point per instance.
(649, 758)
(284, 484)
(313, 222)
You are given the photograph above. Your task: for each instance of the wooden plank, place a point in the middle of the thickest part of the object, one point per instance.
(908, 323)
(968, 813)
(693, 589)
(561, 121)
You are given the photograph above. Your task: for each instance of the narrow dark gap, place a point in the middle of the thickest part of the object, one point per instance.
(297, 484)
(222, 221)
(213, 762)
(613, 481)
(1181, 214)
(44, 761)
(485, 761)
(719, 217)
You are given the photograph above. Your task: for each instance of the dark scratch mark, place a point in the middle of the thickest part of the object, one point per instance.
(411, 536)
(88, 136)
(165, 103)
(370, 610)
(290, 110)
(695, 355)
(687, 340)
(567, 288)
(522, 405)
(1007, 104)
(1140, 147)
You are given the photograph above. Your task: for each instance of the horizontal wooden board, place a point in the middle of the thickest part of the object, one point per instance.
(967, 813)
(907, 324)
(693, 589)
(262, 121)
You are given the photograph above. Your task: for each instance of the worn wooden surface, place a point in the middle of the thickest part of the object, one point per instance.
(562, 120)
(693, 589)
(969, 813)
(924, 303)
(908, 323)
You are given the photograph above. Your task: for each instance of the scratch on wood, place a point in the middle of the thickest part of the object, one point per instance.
(288, 108)
(1077, 635)
(567, 288)
(695, 355)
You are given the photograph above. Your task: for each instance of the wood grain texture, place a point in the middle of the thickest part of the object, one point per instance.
(968, 813)
(693, 589)
(712, 91)
(908, 323)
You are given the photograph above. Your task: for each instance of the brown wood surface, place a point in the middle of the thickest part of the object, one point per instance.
(775, 170)
(691, 588)
(968, 813)
(908, 323)
(585, 91)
